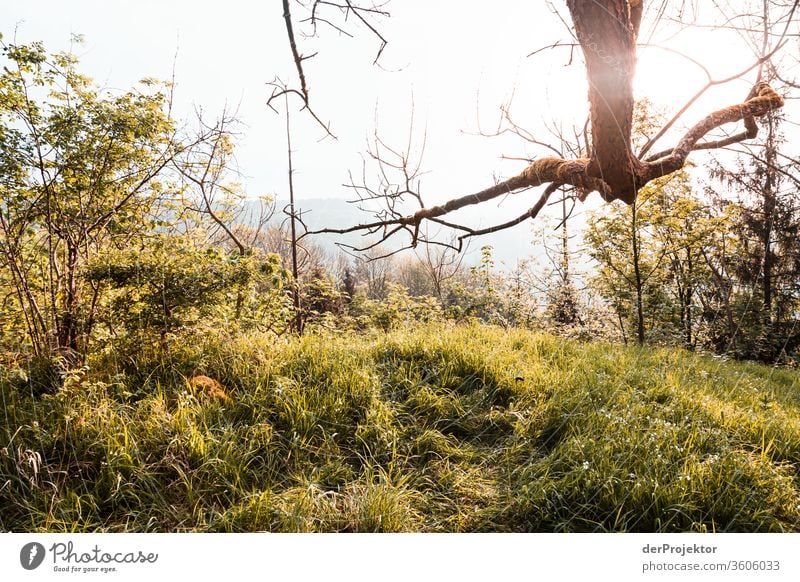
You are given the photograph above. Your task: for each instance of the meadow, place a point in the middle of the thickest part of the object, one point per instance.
(429, 428)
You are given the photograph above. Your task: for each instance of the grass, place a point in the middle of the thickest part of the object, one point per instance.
(433, 428)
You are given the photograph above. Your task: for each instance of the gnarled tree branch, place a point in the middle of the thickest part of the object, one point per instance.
(607, 31)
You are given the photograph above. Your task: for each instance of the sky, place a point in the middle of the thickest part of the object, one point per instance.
(449, 66)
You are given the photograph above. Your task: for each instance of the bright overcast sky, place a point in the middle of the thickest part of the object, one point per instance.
(457, 61)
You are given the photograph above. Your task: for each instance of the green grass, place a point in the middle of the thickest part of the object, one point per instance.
(436, 428)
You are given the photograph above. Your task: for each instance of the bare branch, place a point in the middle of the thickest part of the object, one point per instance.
(359, 11)
(298, 60)
(607, 31)
(766, 56)
(764, 101)
(279, 89)
(531, 213)
(282, 90)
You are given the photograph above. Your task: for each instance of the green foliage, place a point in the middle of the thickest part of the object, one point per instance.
(478, 297)
(758, 267)
(81, 167)
(400, 409)
(320, 300)
(426, 428)
(158, 285)
(673, 234)
(171, 285)
(400, 308)
(563, 306)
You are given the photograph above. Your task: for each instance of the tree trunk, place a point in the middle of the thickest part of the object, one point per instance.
(770, 203)
(637, 273)
(297, 320)
(689, 339)
(67, 332)
(621, 322)
(606, 30)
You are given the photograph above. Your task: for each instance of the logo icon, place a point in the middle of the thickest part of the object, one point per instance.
(31, 555)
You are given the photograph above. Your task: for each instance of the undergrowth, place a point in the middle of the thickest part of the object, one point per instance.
(432, 428)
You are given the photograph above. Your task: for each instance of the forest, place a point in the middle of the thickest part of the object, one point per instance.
(178, 353)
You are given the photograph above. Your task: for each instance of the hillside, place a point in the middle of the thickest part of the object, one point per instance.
(441, 428)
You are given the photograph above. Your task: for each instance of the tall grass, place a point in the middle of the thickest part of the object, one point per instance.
(431, 428)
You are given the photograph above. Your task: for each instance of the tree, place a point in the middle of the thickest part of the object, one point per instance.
(85, 170)
(630, 274)
(348, 283)
(320, 296)
(761, 186)
(718, 300)
(211, 196)
(441, 264)
(81, 168)
(563, 304)
(171, 283)
(666, 263)
(607, 33)
(759, 280)
(683, 231)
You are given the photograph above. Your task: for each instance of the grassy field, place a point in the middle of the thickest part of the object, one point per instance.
(430, 429)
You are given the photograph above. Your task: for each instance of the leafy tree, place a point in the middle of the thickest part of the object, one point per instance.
(348, 284)
(762, 192)
(171, 284)
(630, 271)
(680, 294)
(319, 296)
(681, 232)
(82, 168)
